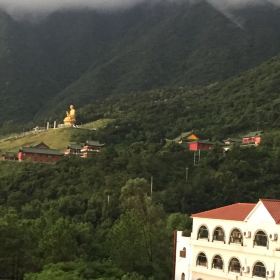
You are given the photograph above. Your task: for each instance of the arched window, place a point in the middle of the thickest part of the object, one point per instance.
(203, 233)
(219, 234)
(201, 259)
(217, 262)
(234, 265)
(261, 239)
(236, 237)
(259, 270)
(183, 276)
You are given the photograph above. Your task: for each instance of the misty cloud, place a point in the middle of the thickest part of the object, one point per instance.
(48, 6)
(237, 4)
(15, 7)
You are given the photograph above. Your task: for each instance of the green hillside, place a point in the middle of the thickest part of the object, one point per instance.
(247, 102)
(81, 56)
(137, 77)
(173, 47)
(55, 138)
(79, 218)
(232, 107)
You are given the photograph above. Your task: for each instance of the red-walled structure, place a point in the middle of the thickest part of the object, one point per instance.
(252, 138)
(91, 148)
(39, 153)
(200, 145)
(73, 150)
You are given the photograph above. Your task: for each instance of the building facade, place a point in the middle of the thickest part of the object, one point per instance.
(200, 145)
(252, 138)
(40, 153)
(73, 150)
(239, 241)
(91, 148)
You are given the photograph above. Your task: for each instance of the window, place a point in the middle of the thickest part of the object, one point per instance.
(217, 262)
(183, 276)
(259, 270)
(236, 237)
(203, 233)
(261, 239)
(201, 260)
(234, 265)
(183, 253)
(219, 234)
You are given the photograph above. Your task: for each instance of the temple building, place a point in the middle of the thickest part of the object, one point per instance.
(39, 153)
(200, 145)
(10, 156)
(184, 137)
(91, 148)
(236, 242)
(87, 150)
(229, 143)
(73, 149)
(252, 138)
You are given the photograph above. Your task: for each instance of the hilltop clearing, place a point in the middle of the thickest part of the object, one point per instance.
(58, 138)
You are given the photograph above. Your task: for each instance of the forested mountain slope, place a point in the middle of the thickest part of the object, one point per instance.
(247, 102)
(80, 218)
(149, 73)
(79, 56)
(177, 48)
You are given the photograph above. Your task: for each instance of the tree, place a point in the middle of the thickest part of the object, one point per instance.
(138, 238)
(62, 239)
(55, 272)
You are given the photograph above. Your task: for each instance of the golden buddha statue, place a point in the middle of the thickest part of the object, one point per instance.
(70, 118)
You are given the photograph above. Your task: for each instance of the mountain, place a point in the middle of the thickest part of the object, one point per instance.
(232, 107)
(82, 56)
(145, 74)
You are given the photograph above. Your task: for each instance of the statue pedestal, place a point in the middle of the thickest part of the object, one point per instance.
(69, 123)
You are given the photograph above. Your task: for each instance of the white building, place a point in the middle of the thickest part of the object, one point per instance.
(235, 242)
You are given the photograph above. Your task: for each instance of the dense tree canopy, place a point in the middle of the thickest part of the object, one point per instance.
(96, 219)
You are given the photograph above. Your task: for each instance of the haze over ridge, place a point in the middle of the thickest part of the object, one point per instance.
(15, 7)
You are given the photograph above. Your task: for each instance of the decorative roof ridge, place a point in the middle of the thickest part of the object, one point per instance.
(270, 199)
(247, 203)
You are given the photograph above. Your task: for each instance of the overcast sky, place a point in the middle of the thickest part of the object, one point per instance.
(47, 6)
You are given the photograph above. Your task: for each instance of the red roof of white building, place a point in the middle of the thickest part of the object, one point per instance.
(240, 211)
(235, 212)
(273, 207)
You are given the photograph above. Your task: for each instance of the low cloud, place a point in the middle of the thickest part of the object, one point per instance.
(49, 6)
(15, 7)
(237, 4)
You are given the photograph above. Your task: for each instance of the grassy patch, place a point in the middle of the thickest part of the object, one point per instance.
(99, 124)
(55, 138)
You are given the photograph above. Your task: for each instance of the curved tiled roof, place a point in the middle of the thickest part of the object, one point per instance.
(44, 151)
